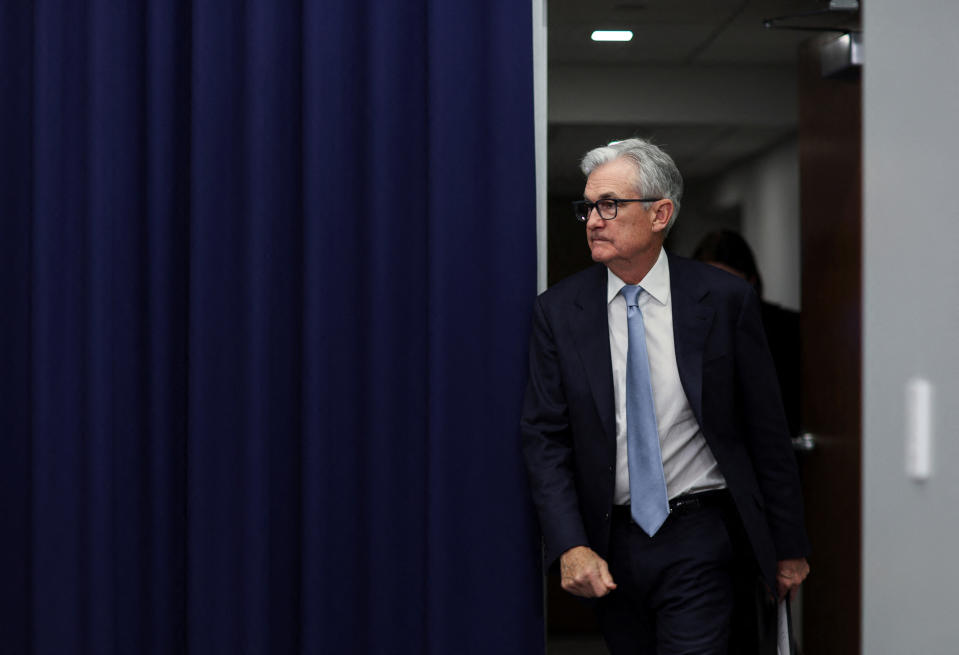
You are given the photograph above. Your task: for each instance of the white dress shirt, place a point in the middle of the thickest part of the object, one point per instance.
(688, 463)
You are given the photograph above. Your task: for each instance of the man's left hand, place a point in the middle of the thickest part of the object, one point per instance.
(790, 573)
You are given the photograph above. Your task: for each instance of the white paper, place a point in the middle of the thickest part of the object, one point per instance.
(782, 640)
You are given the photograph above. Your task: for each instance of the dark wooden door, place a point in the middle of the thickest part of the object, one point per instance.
(830, 152)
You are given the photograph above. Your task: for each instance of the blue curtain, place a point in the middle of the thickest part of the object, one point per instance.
(266, 269)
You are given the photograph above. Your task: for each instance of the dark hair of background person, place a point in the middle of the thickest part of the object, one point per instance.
(728, 248)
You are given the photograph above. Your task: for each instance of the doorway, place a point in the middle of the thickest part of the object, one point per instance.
(722, 94)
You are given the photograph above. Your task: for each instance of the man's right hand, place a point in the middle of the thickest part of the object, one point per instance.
(584, 573)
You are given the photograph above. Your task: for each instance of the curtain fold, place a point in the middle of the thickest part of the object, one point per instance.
(16, 206)
(267, 268)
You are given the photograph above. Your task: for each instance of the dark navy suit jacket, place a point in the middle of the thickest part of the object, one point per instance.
(569, 428)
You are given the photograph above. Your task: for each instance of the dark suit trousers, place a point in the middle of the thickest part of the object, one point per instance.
(675, 590)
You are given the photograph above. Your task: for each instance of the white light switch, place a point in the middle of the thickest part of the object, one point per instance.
(918, 429)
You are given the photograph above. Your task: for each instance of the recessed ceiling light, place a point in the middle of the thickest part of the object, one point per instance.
(611, 35)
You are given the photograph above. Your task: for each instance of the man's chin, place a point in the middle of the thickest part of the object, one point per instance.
(599, 254)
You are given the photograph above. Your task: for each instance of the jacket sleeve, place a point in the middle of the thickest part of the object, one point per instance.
(767, 434)
(547, 442)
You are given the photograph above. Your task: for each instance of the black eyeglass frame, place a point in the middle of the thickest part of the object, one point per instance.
(582, 217)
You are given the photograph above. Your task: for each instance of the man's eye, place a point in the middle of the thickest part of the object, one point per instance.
(606, 205)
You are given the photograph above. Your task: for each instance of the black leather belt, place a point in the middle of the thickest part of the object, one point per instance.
(691, 502)
(684, 504)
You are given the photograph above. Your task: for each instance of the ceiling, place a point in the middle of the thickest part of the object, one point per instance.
(703, 78)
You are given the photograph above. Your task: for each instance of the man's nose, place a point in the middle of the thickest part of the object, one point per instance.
(593, 219)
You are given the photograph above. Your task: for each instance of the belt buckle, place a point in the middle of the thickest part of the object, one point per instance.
(686, 503)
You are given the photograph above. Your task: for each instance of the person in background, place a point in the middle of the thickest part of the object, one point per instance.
(729, 251)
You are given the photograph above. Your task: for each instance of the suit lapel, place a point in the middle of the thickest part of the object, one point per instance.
(692, 318)
(590, 329)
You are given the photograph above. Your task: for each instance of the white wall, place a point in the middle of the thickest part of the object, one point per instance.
(767, 188)
(910, 322)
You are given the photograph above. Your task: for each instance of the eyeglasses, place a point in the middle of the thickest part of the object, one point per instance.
(607, 207)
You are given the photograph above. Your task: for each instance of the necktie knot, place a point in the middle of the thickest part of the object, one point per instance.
(631, 294)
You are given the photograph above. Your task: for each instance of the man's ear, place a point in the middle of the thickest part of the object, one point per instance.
(664, 211)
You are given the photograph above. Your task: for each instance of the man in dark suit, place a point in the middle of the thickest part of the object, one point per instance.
(652, 427)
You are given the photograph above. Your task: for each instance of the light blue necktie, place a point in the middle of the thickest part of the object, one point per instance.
(647, 483)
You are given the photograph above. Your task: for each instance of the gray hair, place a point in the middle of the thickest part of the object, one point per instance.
(656, 172)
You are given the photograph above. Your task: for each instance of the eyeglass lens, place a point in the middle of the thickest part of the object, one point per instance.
(606, 208)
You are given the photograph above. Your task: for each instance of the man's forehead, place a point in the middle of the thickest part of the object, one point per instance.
(610, 179)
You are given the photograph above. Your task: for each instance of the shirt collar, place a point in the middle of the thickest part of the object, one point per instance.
(656, 282)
